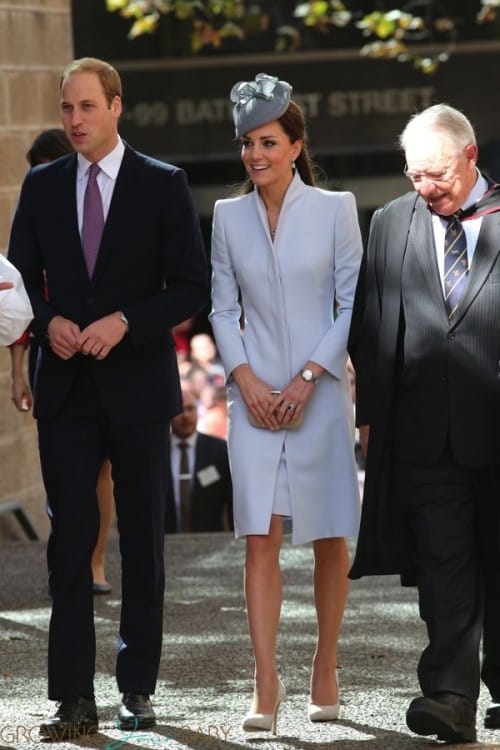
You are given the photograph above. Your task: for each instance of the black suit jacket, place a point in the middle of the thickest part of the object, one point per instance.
(447, 392)
(211, 505)
(151, 265)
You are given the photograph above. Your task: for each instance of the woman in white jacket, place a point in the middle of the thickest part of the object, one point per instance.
(15, 308)
(288, 254)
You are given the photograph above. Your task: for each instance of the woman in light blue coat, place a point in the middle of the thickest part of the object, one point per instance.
(287, 254)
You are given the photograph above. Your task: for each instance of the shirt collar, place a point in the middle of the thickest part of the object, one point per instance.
(191, 440)
(477, 192)
(109, 164)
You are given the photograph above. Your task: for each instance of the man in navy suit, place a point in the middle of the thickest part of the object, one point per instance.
(107, 381)
(210, 496)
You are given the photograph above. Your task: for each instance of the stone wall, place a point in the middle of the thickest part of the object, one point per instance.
(35, 44)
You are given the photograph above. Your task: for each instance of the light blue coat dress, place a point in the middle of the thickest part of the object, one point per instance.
(289, 290)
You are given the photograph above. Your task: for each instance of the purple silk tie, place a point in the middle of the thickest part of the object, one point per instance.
(93, 219)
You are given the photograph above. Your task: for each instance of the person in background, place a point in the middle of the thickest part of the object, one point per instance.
(424, 343)
(291, 252)
(181, 334)
(50, 145)
(107, 381)
(200, 493)
(15, 308)
(214, 419)
(105, 502)
(203, 353)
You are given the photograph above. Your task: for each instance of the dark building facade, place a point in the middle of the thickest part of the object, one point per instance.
(177, 105)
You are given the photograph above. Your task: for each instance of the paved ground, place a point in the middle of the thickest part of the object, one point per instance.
(206, 674)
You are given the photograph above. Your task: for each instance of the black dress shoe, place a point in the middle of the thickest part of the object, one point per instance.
(74, 719)
(492, 717)
(136, 712)
(450, 716)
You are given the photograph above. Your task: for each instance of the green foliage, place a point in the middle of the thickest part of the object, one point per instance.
(390, 33)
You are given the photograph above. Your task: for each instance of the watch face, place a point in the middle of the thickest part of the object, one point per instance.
(307, 374)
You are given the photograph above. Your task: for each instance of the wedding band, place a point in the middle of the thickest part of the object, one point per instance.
(290, 407)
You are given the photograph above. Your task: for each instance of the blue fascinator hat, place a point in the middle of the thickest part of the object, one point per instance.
(257, 102)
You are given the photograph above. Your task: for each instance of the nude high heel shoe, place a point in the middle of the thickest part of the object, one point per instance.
(265, 722)
(325, 713)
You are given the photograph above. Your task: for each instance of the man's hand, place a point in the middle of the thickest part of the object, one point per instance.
(6, 285)
(100, 337)
(63, 337)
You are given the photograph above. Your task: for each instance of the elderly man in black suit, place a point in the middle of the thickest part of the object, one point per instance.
(118, 237)
(426, 347)
(200, 494)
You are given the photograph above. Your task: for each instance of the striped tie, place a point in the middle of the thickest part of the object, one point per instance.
(456, 265)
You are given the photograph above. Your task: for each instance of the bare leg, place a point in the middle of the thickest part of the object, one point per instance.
(105, 502)
(263, 598)
(331, 586)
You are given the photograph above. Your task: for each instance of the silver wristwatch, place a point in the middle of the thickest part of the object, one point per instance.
(308, 376)
(123, 318)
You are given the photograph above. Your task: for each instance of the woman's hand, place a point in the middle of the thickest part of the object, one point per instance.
(19, 388)
(257, 395)
(294, 398)
(20, 393)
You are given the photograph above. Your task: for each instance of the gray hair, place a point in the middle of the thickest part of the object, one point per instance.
(440, 118)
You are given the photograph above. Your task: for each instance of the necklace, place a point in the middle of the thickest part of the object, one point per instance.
(273, 215)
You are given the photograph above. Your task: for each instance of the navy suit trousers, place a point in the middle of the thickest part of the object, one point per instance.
(72, 448)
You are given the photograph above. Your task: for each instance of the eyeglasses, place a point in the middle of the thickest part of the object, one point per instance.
(434, 177)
